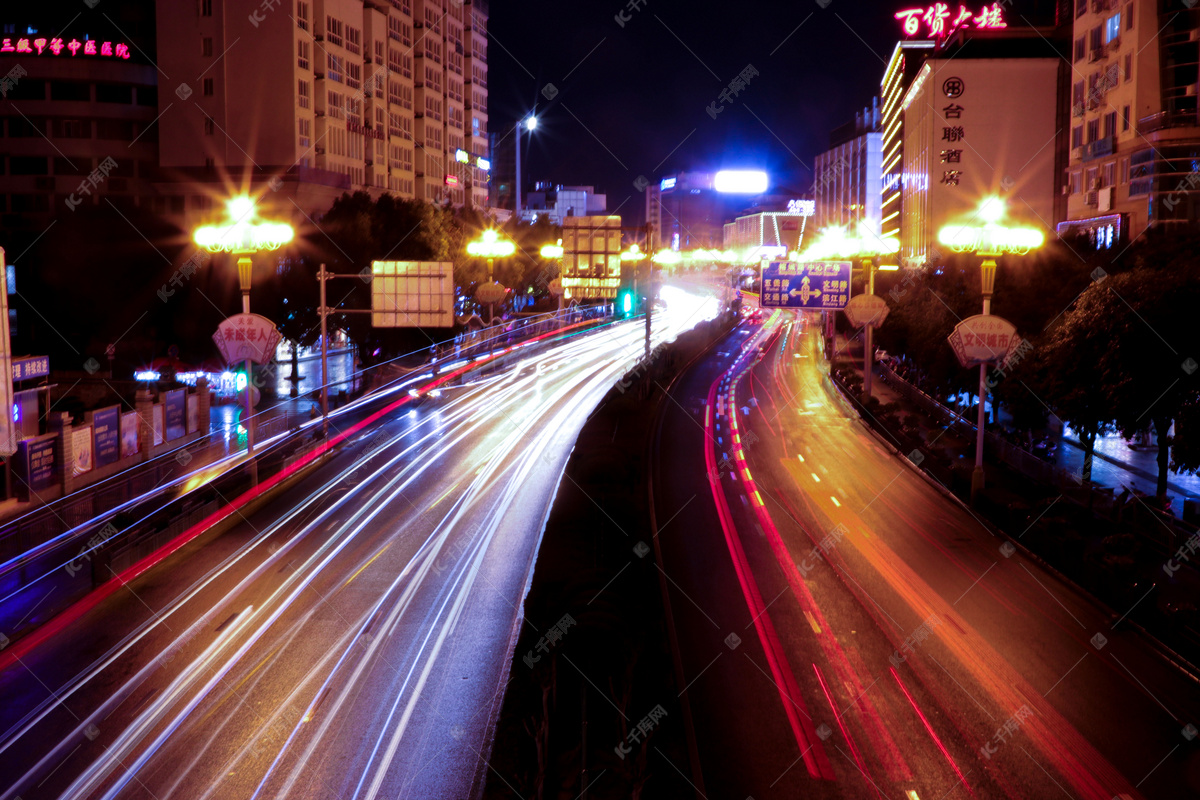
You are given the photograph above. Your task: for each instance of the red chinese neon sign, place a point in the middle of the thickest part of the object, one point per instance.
(55, 46)
(940, 22)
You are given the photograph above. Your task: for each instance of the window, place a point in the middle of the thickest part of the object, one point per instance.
(209, 125)
(354, 75)
(334, 72)
(1123, 172)
(1093, 181)
(1110, 124)
(305, 132)
(1077, 136)
(1097, 38)
(379, 52)
(72, 128)
(333, 31)
(1129, 16)
(303, 52)
(305, 99)
(1073, 183)
(114, 93)
(1093, 130)
(354, 40)
(1110, 174)
(302, 15)
(1112, 28)
(208, 87)
(333, 105)
(1077, 94)
(1128, 66)
(1125, 118)
(1080, 48)
(206, 8)
(206, 47)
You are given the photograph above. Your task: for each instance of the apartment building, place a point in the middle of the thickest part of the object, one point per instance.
(307, 99)
(848, 177)
(1135, 135)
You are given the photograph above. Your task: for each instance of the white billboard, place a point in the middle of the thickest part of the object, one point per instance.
(412, 294)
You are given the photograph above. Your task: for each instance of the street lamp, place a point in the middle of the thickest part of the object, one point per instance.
(243, 235)
(989, 241)
(555, 251)
(491, 247)
(865, 245)
(530, 123)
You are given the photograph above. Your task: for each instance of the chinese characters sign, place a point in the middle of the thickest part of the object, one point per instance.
(940, 21)
(813, 285)
(982, 339)
(245, 336)
(56, 46)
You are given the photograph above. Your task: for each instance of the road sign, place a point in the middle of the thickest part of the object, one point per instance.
(412, 294)
(818, 285)
(982, 339)
(866, 309)
(491, 292)
(247, 336)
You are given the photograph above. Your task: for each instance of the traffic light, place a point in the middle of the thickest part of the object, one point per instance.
(626, 302)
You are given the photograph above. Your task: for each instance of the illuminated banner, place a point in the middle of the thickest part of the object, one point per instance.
(55, 46)
(816, 285)
(983, 339)
(247, 336)
(941, 22)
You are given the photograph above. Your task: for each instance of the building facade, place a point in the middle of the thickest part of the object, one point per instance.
(77, 120)
(313, 98)
(848, 177)
(1135, 135)
(557, 202)
(907, 58)
(977, 128)
(767, 234)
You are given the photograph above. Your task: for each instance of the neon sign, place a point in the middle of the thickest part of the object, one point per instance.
(56, 45)
(940, 22)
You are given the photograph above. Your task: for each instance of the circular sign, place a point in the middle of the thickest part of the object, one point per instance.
(953, 87)
(555, 287)
(490, 292)
(866, 309)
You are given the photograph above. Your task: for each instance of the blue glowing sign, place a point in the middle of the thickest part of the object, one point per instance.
(816, 285)
(667, 183)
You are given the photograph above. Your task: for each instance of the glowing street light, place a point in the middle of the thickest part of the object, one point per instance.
(244, 235)
(530, 124)
(490, 246)
(864, 245)
(989, 241)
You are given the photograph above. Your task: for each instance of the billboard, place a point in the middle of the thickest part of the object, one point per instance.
(812, 285)
(106, 423)
(591, 261)
(176, 414)
(412, 294)
(247, 336)
(8, 438)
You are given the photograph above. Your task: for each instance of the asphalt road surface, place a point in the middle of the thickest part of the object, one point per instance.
(349, 639)
(848, 630)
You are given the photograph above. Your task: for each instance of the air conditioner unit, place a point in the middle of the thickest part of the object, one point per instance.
(1097, 54)
(1091, 199)
(1066, 190)
(1105, 199)
(1077, 110)
(1093, 184)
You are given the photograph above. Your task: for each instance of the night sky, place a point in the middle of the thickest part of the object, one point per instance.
(632, 100)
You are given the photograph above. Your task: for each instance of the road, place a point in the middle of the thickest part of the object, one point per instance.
(848, 630)
(351, 637)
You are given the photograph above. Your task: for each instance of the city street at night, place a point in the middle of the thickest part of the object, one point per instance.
(458, 400)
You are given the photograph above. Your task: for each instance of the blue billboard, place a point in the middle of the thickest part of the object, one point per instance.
(813, 285)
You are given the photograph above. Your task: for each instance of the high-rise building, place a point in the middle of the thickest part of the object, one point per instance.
(1135, 134)
(78, 100)
(977, 128)
(848, 177)
(318, 97)
(906, 61)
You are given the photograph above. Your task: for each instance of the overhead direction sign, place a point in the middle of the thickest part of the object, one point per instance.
(815, 285)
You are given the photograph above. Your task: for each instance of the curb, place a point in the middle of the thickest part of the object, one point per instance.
(1134, 470)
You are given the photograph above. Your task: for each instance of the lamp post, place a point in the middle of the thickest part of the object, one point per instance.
(244, 236)
(989, 241)
(555, 251)
(491, 247)
(530, 123)
(865, 246)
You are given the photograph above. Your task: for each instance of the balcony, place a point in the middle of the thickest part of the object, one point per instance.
(1097, 54)
(1167, 119)
(1104, 146)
